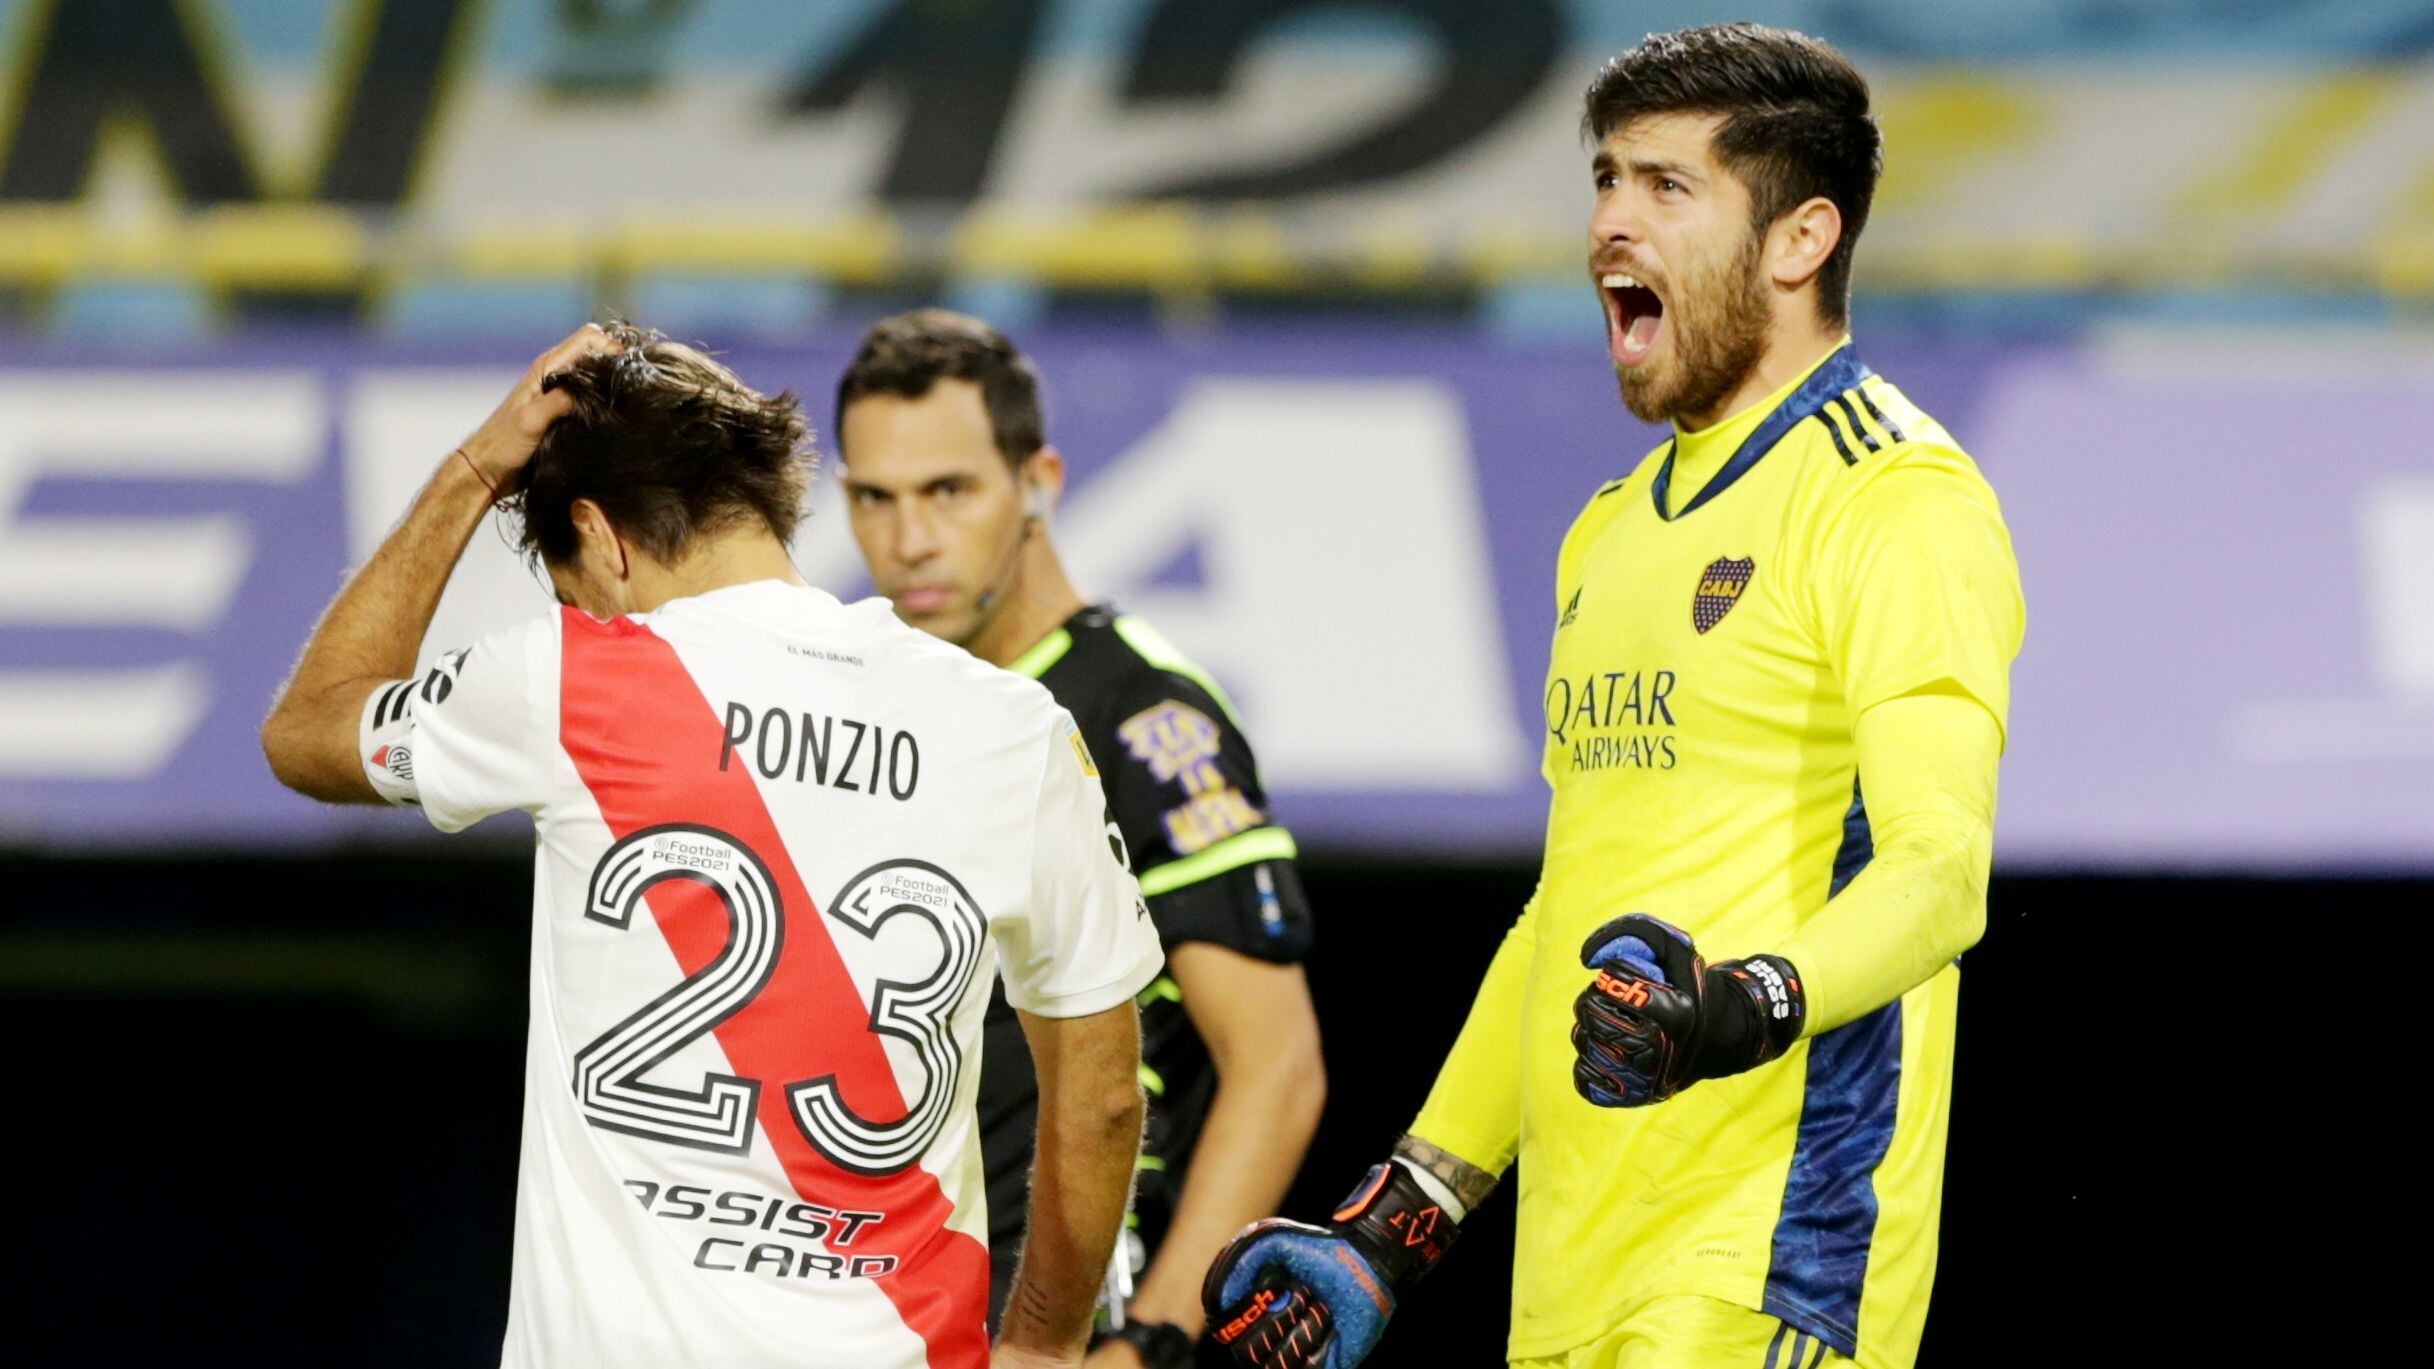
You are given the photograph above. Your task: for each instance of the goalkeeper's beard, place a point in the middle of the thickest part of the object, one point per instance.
(1717, 333)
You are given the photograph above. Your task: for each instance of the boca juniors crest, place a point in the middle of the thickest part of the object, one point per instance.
(1720, 587)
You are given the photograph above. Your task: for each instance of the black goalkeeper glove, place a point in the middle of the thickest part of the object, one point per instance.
(1658, 1019)
(1288, 1295)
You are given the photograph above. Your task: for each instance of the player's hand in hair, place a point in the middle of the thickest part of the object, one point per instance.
(505, 441)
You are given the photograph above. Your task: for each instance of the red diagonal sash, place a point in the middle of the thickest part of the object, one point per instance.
(646, 743)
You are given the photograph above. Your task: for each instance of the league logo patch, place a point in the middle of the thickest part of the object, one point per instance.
(1720, 587)
(1081, 752)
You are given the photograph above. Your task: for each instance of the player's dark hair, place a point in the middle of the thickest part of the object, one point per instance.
(909, 354)
(669, 444)
(1796, 123)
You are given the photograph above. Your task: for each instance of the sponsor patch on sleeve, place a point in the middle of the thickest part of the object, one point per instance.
(1179, 744)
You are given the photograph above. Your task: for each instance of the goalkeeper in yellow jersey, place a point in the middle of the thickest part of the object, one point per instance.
(1719, 1037)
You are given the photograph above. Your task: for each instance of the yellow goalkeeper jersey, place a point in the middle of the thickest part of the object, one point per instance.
(1723, 615)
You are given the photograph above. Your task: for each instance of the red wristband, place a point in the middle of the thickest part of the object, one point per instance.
(477, 474)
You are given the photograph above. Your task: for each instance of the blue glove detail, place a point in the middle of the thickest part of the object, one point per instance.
(1627, 1057)
(1301, 1260)
(1628, 953)
(1285, 1295)
(1636, 1087)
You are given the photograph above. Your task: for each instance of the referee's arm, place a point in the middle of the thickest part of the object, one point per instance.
(1223, 889)
(1262, 1036)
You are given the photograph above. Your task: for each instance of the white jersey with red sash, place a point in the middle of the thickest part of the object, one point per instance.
(782, 844)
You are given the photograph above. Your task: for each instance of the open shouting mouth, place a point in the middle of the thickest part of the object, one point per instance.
(1634, 317)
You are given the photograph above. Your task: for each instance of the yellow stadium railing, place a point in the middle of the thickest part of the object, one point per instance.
(1177, 250)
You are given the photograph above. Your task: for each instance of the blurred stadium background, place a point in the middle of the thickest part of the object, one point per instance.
(1304, 278)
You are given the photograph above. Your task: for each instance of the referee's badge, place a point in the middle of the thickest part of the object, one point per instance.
(1720, 587)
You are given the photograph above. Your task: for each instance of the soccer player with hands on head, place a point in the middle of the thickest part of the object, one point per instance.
(783, 845)
(1719, 1036)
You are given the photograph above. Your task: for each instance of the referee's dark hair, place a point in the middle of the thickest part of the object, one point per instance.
(670, 445)
(909, 354)
(1795, 123)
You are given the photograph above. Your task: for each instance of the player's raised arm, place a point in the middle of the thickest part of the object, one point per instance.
(370, 633)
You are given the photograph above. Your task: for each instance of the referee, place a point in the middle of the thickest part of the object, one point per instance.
(950, 480)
